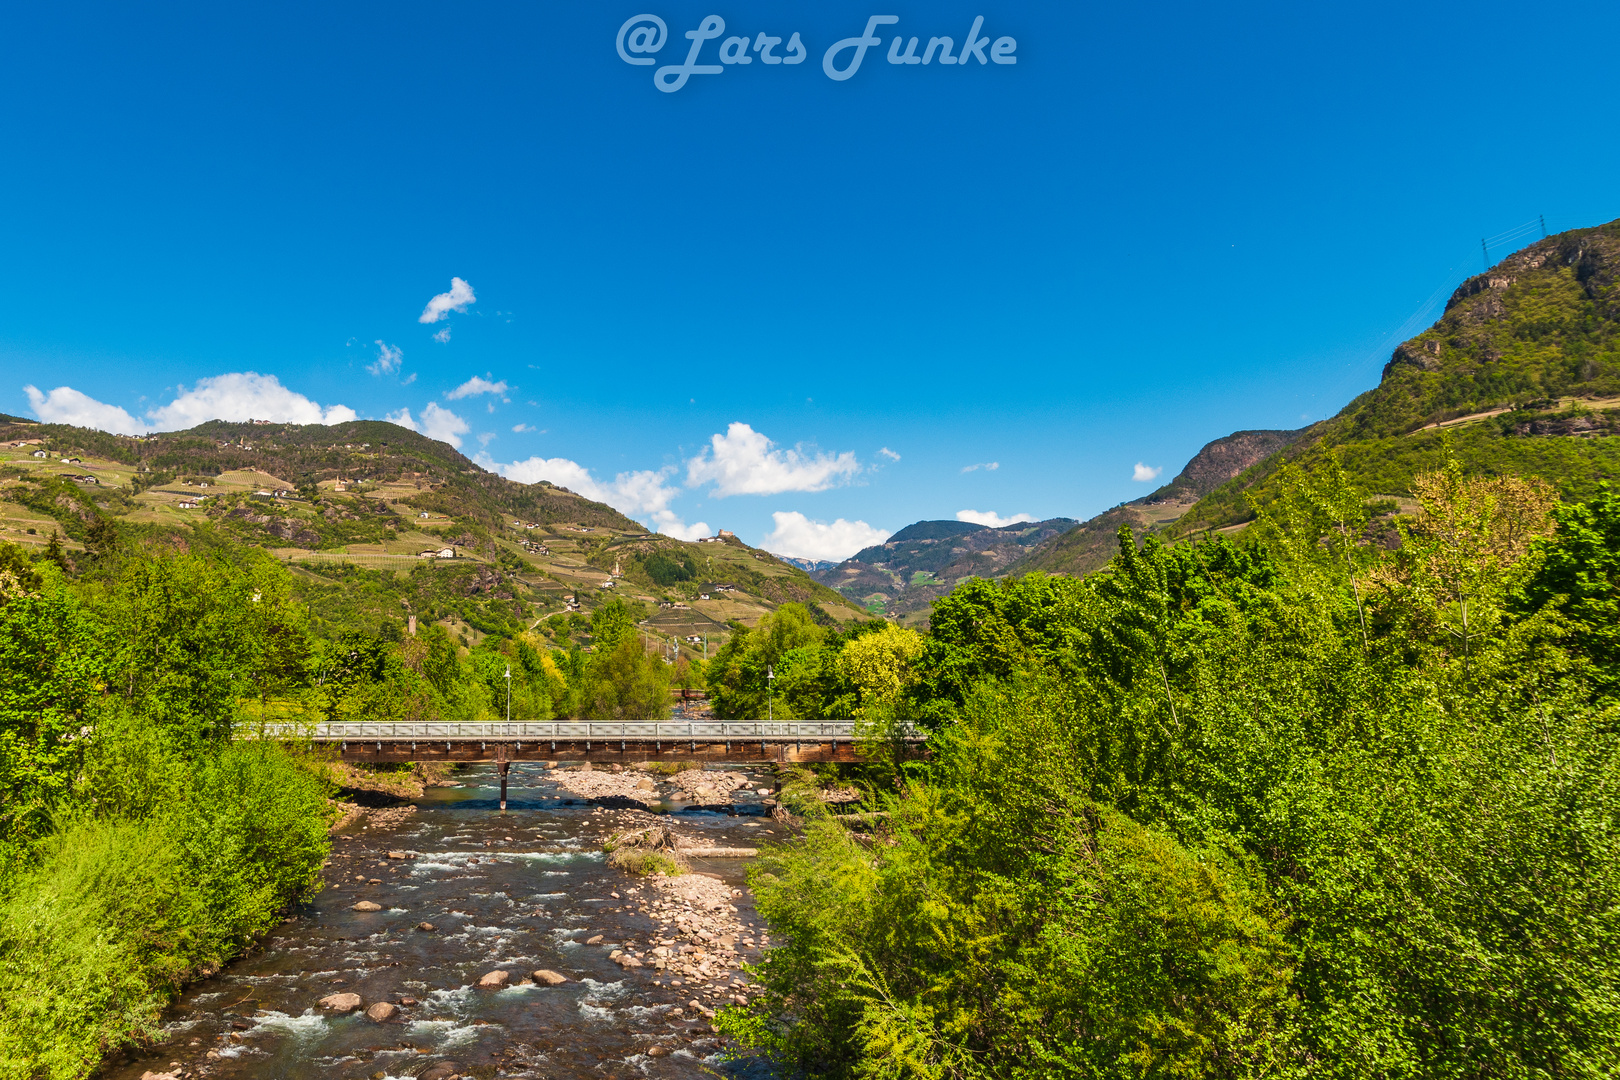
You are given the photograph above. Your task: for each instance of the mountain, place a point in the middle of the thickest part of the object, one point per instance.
(1093, 542)
(924, 561)
(807, 565)
(354, 506)
(1521, 375)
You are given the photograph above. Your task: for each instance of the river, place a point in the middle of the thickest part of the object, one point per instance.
(518, 891)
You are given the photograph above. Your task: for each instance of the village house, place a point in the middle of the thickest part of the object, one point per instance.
(437, 553)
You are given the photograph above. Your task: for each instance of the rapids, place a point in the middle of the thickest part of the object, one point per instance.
(519, 890)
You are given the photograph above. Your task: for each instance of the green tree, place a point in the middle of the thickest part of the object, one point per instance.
(1578, 570)
(612, 623)
(628, 684)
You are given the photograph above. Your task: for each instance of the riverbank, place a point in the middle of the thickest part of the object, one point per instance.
(119, 914)
(417, 910)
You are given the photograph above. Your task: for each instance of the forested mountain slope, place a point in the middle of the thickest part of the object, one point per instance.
(1521, 375)
(1092, 543)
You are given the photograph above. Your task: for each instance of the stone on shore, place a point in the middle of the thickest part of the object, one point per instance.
(549, 977)
(495, 980)
(366, 905)
(424, 926)
(597, 940)
(382, 1011)
(341, 1002)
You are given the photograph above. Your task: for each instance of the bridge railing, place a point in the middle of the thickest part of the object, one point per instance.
(367, 731)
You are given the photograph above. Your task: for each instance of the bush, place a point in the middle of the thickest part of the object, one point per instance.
(118, 914)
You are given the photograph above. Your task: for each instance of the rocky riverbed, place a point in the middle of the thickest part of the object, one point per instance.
(451, 939)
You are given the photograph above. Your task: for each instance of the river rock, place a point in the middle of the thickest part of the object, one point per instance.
(443, 1070)
(495, 980)
(424, 926)
(549, 977)
(341, 1002)
(382, 1011)
(149, 1075)
(366, 905)
(657, 1051)
(398, 855)
(597, 940)
(645, 784)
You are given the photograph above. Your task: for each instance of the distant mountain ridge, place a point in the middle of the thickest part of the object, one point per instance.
(924, 561)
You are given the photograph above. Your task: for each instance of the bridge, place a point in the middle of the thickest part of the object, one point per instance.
(626, 743)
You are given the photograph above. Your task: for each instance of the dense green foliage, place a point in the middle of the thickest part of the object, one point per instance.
(1309, 808)
(790, 667)
(139, 845)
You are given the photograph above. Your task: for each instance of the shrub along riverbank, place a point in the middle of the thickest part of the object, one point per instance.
(1311, 807)
(139, 846)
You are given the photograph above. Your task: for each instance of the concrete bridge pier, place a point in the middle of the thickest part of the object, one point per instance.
(503, 767)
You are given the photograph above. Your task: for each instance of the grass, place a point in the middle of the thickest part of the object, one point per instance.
(642, 862)
(670, 768)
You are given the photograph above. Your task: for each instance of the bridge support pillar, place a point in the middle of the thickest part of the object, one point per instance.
(502, 766)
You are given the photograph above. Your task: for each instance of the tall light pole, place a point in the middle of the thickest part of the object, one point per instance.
(500, 748)
(770, 694)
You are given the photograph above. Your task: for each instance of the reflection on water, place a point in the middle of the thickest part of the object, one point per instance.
(518, 890)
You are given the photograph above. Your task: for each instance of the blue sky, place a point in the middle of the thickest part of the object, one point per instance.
(771, 301)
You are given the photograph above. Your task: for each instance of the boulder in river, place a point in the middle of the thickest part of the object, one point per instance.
(382, 1011)
(495, 980)
(366, 905)
(597, 940)
(341, 1002)
(424, 926)
(398, 855)
(549, 977)
(442, 1070)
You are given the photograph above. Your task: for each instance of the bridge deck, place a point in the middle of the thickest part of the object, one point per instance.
(568, 741)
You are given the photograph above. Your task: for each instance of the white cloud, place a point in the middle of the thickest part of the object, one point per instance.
(645, 492)
(457, 299)
(485, 438)
(408, 379)
(890, 454)
(991, 519)
(65, 405)
(802, 538)
(239, 396)
(389, 357)
(474, 386)
(443, 336)
(987, 466)
(668, 523)
(244, 395)
(436, 423)
(520, 428)
(1143, 473)
(744, 462)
